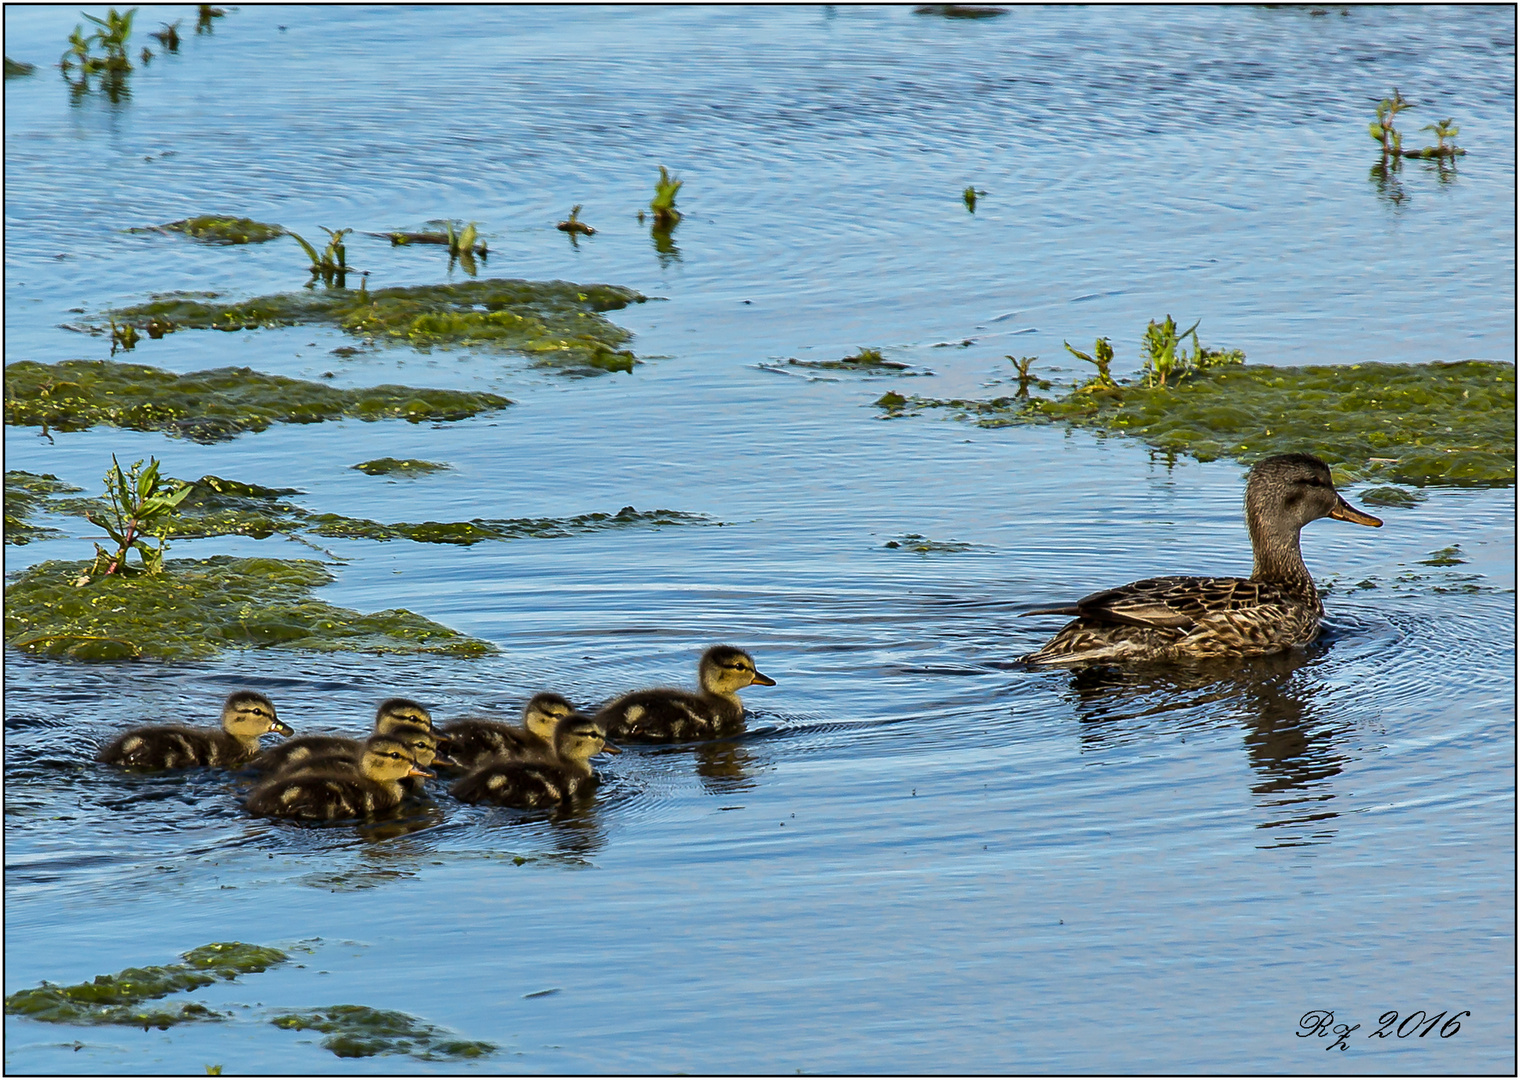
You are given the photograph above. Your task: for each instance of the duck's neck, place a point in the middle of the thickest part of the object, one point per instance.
(1277, 555)
(247, 744)
(577, 768)
(728, 703)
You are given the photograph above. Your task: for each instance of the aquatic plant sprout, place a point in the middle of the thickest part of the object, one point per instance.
(1103, 355)
(137, 506)
(664, 202)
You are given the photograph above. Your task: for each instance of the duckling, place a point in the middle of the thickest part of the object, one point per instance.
(245, 716)
(663, 715)
(536, 783)
(474, 741)
(393, 713)
(1185, 618)
(423, 745)
(326, 795)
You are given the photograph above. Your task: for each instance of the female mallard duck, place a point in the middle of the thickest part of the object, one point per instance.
(474, 741)
(536, 783)
(245, 716)
(393, 715)
(1184, 618)
(680, 716)
(327, 794)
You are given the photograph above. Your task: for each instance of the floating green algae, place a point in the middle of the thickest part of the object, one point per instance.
(360, 1031)
(198, 607)
(862, 360)
(1390, 496)
(478, 529)
(210, 406)
(1437, 423)
(555, 323)
(25, 493)
(389, 466)
(924, 545)
(211, 229)
(117, 999)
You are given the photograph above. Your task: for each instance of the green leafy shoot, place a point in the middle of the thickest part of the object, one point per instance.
(573, 224)
(138, 507)
(1103, 356)
(331, 263)
(168, 36)
(664, 202)
(1022, 365)
(1382, 128)
(1165, 357)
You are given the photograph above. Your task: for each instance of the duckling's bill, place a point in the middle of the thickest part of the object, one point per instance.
(762, 680)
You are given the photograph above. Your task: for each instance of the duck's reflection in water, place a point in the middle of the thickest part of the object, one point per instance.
(1291, 743)
(726, 767)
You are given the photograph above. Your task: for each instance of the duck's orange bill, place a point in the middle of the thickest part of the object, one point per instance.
(610, 748)
(1344, 511)
(282, 728)
(418, 770)
(763, 680)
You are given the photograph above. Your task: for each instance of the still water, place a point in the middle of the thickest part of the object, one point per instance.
(920, 857)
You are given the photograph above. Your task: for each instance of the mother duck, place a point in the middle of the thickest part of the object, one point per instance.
(1188, 618)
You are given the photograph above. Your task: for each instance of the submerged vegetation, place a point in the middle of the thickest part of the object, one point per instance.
(118, 999)
(1417, 424)
(210, 406)
(573, 224)
(1392, 141)
(969, 197)
(211, 229)
(112, 34)
(389, 466)
(198, 607)
(360, 1031)
(15, 69)
(663, 205)
(556, 323)
(331, 263)
(24, 493)
(863, 359)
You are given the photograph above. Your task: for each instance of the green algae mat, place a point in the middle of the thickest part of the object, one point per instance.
(1438, 423)
(215, 506)
(198, 607)
(351, 1030)
(210, 406)
(555, 323)
(227, 231)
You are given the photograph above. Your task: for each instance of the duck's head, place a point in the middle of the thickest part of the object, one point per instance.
(400, 710)
(425, 746)
(387, 759)
(1287, 491)
(580, 738)
(542, 715)
(248, 713)
(726, 670)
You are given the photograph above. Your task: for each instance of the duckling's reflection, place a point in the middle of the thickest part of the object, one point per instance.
(726, 766)
(1289, 744)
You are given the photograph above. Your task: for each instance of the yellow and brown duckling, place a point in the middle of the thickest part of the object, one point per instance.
(538, 783)
(245, 716)
(664, 715)
(329, 794)
(1186, 618)
(474, 741)
(393, 714)
(422, 744)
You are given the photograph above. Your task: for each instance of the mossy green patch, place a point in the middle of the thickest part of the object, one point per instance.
(389, 466)
(862, 360)
(211, 229)
(478, 529)
(26, 493)
(197, 608)
(210, 406)
(1390, 496)
(1447, 556)
(117, 999)
(555, 323)
(1437, 423)
(360, 1031)
(926, 546)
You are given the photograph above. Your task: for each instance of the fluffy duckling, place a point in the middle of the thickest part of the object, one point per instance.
(1194, 618)
(327, 795)
(663, 715)
(474, 741)
(534, 784)
(392, 715)
(245, 716)
(423, 745)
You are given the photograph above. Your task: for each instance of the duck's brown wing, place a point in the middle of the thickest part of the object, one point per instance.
(1173, 603)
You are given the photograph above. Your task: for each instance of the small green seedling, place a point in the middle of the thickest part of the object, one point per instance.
(1103, 356)
(204, 14)
(331, 264)
(124, 336)
(1442, 130)
(573, 224)
(1382, 128)
(1165, 358)
(462, 247)
(168, 36)
(970, 196)
(1022, 365)
(664, 202)
(139, 507)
